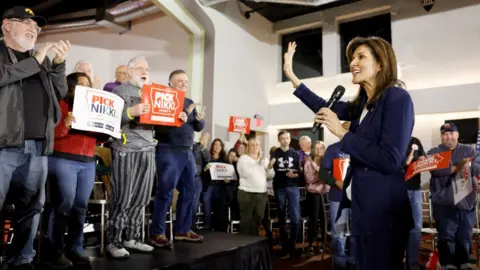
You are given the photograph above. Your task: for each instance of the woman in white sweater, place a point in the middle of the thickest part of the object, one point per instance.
(252, 190)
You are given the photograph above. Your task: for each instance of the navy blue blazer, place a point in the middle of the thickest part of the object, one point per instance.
(377, 150)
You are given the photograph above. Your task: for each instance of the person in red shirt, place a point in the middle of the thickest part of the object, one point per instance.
(72, 171)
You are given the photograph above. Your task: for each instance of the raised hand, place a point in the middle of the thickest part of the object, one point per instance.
(287, 65)
(41, 53)
(61, 49)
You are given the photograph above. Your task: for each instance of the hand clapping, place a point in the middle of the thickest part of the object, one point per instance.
(61, 49)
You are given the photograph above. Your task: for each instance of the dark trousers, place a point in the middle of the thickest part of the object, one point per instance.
(315, 215)
(381, 250)
(252, 207)
(454, 228)
(292, 195)
(71, 185)
(176, 169)
(23, 173)
(196, 200)
(132, 183)
(211, 204)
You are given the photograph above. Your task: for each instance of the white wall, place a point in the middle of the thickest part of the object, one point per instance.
(245, 65)
(158, 38)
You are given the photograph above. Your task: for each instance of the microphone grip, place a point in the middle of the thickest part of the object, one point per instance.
(316, 125)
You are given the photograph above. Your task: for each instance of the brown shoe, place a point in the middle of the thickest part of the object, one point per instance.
(189, 237)
(160, 241)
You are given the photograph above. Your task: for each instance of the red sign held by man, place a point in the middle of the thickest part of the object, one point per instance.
(239, 124)
(166, 104)
(429, 163)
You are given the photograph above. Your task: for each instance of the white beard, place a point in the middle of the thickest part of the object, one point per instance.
(138, 81)
(24, 43)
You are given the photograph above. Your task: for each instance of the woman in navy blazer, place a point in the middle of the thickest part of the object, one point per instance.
(382, 119)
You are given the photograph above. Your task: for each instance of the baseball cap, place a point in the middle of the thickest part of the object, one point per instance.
(448, 127)
(21, 12)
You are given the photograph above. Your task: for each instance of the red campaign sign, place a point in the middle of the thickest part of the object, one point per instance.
(239, 124)
(340, 167)
(429, 163)
(166, 105)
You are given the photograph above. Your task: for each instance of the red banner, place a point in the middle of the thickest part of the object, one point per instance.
(239, 124)
(166, 105)
(340, 166)
(429, 163)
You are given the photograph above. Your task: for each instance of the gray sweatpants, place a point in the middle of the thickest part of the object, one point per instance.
(133, 174)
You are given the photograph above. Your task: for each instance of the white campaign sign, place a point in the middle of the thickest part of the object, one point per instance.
(97, 111)
(222, 171)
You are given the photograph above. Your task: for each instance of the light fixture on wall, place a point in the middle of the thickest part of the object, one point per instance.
(427, 4)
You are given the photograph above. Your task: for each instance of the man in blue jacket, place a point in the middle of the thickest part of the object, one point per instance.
(176, 169)
(454, 218)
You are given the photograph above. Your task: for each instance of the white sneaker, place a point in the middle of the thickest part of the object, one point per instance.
(117, 251)
(137, 246)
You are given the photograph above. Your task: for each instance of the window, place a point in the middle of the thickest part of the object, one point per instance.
(374, 26)
(307, 62)
(295, 134)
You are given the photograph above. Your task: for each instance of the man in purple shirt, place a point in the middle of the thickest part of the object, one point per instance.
(121, 76)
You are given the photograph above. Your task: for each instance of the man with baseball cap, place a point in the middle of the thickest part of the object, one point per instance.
(30, 87)
(454, 214)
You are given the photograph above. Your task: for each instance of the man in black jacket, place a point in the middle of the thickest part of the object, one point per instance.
(202, 158)
(30, 87)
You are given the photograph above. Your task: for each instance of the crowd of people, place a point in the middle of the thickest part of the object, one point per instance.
(37, 140)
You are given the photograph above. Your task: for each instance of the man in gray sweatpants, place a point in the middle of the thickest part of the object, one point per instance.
(133, 165)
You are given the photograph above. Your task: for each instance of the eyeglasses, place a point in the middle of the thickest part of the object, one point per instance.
(29, 23)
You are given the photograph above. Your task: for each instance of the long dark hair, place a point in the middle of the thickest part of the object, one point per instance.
(72, 82)
(384, 54)
(222, 155)
(420, 151)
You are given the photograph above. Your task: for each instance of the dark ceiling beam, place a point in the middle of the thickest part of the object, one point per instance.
(45, 5)
(74, 15)
(107, 20)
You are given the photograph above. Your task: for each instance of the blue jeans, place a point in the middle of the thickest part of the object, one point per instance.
(339, 230)
(176, 169)
(415, 238)
(71, 186)
(26, 170)
(292, 194)
(196, 199)
(210, 197)
(454, 228)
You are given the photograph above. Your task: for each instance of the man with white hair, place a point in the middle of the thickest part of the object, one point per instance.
(87, 68)
(30, 87)
(133, 166)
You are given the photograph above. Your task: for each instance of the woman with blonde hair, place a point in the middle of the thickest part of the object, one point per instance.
(252, 190)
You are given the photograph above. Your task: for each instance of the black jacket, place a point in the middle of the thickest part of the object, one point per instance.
(202, 157)
(11, 97)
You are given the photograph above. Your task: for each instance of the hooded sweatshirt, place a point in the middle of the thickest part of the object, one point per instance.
(136, 137)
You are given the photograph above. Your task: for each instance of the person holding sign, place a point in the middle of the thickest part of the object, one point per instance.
(176, 169)
(382, 118)
(31, 86)
(339, 228)
(414, 153)
(72, 166)
(454, 199)
(133, 167)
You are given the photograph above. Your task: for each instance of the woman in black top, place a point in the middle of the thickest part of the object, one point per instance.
(414, 151)
(212, 193)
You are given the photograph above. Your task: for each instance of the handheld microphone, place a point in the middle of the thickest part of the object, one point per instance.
(336, 96)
